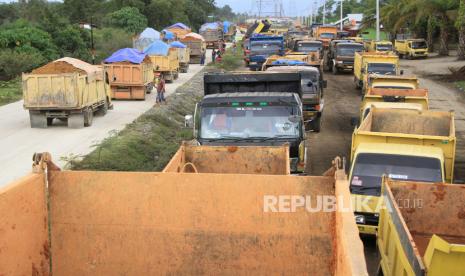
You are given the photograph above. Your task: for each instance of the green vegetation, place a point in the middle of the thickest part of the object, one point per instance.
(460, 85)
(230, 61)
(10, 91)
(150, 141)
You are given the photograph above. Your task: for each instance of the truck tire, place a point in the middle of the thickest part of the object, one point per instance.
(176, 75)
(76, 120)
(49, 121)
(335, 70)
(316, 124)
(103, 109)
(37, 119)
(88, 117)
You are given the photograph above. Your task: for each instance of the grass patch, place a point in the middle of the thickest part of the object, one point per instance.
(150, 141)
(460, 85)
(230, 61)
(10, 91)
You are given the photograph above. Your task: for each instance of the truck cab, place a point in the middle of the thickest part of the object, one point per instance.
(341, 55)
(374, 63)
(411, 48)
(401, 144)
(252, 109)
(379, 46)
(260, 47)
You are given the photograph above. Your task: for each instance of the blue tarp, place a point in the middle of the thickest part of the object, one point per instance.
(150, 33)
(126, 54)
(168, 35)
(177, 44)
(288, 62)
(157, 48)
(210, 26)
(226, 25)
(179, 25)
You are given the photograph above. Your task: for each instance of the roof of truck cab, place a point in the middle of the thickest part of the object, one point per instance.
(400, 149)
(293, 69)
(249, 96)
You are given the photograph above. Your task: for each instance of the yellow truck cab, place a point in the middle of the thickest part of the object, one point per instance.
(391, 82)
(411, 48)
(379, 46)
(374, 63)
(401, 144)
(326, 33)
(312, 48)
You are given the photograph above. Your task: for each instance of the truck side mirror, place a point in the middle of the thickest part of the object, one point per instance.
(325, 83)
(189, 121)
(401, 72)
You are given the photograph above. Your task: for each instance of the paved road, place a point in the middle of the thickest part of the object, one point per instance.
(18, 141)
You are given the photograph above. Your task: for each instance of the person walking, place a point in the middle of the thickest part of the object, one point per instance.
(213, 55)
(202, 59)
(161, 90)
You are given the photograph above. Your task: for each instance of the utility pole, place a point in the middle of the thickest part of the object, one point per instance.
(377, 20)
(341, 14)
(92, 49)
(259, 9)
(324, 12)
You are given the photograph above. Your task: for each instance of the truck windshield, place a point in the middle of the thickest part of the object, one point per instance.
(327, 35)
(265, 47)
(248, 122)
(370, 167)
(418, 45)
(384, 47)
(382, 68)
(349, 51)
(309, 47)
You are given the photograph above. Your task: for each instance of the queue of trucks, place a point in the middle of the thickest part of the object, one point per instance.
(214, 209)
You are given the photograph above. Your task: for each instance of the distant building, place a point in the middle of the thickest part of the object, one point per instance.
(351, 23)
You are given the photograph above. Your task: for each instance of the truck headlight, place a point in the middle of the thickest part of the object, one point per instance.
(360, 219)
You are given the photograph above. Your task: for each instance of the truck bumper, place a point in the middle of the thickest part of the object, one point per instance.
(254, 65)
(367, 229)
(310, 115)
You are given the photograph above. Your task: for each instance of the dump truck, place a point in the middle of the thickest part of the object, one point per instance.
(167, 65)
(66, 89)
(57, 222)
(312, 93)
(340, 55)
(326, 33)
(286, 60)
(383, 46)
(416, 99)
(421, 230)
(411, 48)
(377, 81)
(259, 108)
(404, 145)
(184, 59)
(129, 81)
(312, 48)
(212, 33)
(260, 47)
(197, 47)
(374, 63)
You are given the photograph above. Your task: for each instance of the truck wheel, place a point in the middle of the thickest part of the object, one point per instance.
(103, 109)
(49, 121)
(88, 117)
(176, 75)
(76, 120)
(316, 124)
(37, 119)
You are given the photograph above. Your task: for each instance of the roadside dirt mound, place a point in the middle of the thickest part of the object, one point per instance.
(58, 67)
(457, 74)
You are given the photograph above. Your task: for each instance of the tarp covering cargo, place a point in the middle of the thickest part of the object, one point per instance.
(145, 223)
(168, 35)
(193, 36)
(157, 48)
(126, 55)
(150, 33)
(226, 25)
(179, 25)
(177, 44)
(289, 62)
(147, 37)
(210, 26)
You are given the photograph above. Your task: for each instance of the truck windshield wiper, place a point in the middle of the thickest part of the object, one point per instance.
(273, 137)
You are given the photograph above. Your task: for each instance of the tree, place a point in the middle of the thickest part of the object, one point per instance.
(127, 18)
(460, 25)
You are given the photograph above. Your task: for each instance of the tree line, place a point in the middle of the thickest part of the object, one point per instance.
(34, 32)
(435, 20)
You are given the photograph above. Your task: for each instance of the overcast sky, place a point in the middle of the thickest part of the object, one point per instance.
(291, 7)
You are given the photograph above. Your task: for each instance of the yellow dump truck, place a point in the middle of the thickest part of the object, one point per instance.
(404, 145)
(326, 33)
(416, 99)
(421, 232)
(129, 81)
(66, 89)
(274, 59)
(167, 65)
(198, 216)
(374, 63)
(378, 81)
(383, 46)
(184, 59)
(411, 48)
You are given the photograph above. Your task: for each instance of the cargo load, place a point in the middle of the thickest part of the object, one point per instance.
(422, 231)
(183, 55)
(179, 29)
(196, 45)
(130, 74)
(212, 33)
(144, 39)
(58, 222)
(164, 59)
(66, 89)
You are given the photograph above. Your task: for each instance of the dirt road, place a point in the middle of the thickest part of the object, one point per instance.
(18, 141)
